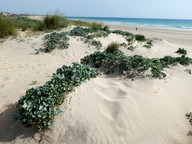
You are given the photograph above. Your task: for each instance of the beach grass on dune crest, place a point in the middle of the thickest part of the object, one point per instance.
(10, 25)
(51, 22)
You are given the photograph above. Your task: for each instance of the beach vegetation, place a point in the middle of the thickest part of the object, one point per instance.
(7, 27)
(140, 38)
(97, 44)
(81, 23)
(106, 29)
(181, 51)
(123, 33)
(39, 105)
(112, 47)
(55, 40)
(51, 22)
(131, 48)
(132, 66)
(25, 23)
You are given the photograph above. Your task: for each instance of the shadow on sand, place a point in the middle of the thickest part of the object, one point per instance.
(10, 130)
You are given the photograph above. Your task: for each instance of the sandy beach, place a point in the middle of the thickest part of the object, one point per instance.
(106, 109)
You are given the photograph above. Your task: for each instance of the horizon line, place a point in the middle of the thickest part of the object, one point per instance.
(104, 16)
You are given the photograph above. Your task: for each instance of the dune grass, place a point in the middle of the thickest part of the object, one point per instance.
(6, 27)
(85, 24)
(112, 47)
(51, 22)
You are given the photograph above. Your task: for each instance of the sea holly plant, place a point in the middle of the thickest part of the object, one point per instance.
(39, 105)
(88, 34)
(56, 40)
(114, 60)
(181, 51)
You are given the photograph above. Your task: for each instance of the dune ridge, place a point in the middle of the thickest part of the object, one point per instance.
(107, 109)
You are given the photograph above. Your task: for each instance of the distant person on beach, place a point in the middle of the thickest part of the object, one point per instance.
(136, 28)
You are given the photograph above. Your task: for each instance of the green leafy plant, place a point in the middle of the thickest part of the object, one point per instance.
(106, 29)
(181, 51)
(123, 33)
(39, 106)
(131, 48)
(140, 38)
(55, 40)
(132, 66)
(51, 22)
(25, 23)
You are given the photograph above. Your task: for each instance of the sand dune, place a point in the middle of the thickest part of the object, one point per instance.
(107, 109)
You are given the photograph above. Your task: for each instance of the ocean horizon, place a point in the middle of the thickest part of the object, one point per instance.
(177, 24)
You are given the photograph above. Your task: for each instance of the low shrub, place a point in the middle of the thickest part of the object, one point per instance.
(39, 106)
(132, 66)
(112, 47)
(181, 51)
(140, 38)
(79, 23)
(96, 26)
(56, 40)
(79, 31)
(51, 22)
(106, 29)
(25, 23)
(123, 33)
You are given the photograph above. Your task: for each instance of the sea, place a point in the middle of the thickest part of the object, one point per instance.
(177, 24)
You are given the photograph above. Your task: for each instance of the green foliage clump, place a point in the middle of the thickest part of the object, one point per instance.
(140, 38)
(55, 40)
(132, 65)
(106, 29)
(39, 106)
(96, 26)
(25, 23)
(123, 33)
(79, 31)
(79, 23)
(51, 22)
(6, 27)
(181, 51)
(88, 33)
(112, 47)
(97, 44)
(85, 24)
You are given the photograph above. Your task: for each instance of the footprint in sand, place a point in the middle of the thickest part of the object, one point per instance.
(112, 95)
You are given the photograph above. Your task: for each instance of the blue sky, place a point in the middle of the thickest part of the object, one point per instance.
(175, 9)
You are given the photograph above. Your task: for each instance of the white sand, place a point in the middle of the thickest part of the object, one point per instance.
(104, 110)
